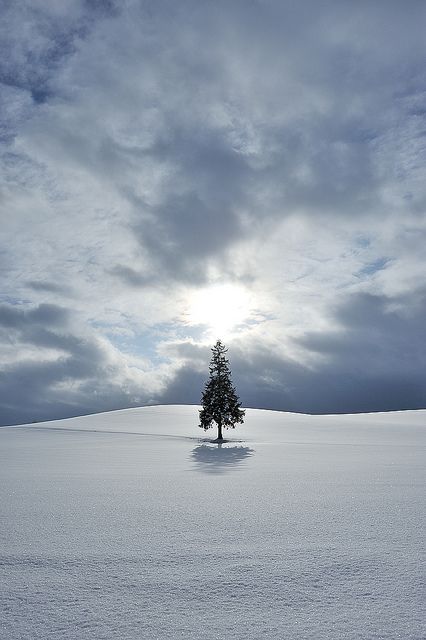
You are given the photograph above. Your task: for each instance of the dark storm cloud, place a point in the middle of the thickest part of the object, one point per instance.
(39, 383)
(15, 317)
(184, 233)
(82, 366)
(378, 337)
(374, 361)
(47, 326)
(185, 388)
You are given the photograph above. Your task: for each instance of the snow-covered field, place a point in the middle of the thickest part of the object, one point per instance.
(131, 524)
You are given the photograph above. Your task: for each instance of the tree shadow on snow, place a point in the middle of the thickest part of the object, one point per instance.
(219, 457)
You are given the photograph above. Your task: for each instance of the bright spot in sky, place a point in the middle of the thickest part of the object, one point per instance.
(220, 307)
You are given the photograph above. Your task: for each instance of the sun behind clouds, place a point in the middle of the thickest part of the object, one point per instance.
(221, 308)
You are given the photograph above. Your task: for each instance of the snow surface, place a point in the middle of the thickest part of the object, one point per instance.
(131, 524)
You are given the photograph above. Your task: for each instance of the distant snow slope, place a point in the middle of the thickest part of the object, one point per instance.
(131, 524)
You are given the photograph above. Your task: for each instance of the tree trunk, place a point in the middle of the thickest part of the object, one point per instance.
(219, 431)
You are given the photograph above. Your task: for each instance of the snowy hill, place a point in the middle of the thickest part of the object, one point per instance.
(132, 524)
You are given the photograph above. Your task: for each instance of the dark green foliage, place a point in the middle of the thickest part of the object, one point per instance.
(220, 401)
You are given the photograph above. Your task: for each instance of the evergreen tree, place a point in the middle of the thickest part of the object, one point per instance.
(220, 401)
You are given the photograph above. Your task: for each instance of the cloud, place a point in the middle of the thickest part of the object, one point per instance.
(50, 287)
(36, 38)
(374, 360)
(152, 150)
(44, 314)
(183, 234)
(62, 369)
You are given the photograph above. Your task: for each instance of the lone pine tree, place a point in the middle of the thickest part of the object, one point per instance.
(220, 401)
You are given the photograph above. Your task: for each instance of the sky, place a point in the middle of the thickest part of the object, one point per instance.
(177, 172)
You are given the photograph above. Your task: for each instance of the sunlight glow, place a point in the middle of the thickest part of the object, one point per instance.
(221, 308)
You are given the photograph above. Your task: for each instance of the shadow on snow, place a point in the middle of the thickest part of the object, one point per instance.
(218, 457)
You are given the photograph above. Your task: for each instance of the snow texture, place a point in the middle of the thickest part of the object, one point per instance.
(132, 524)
